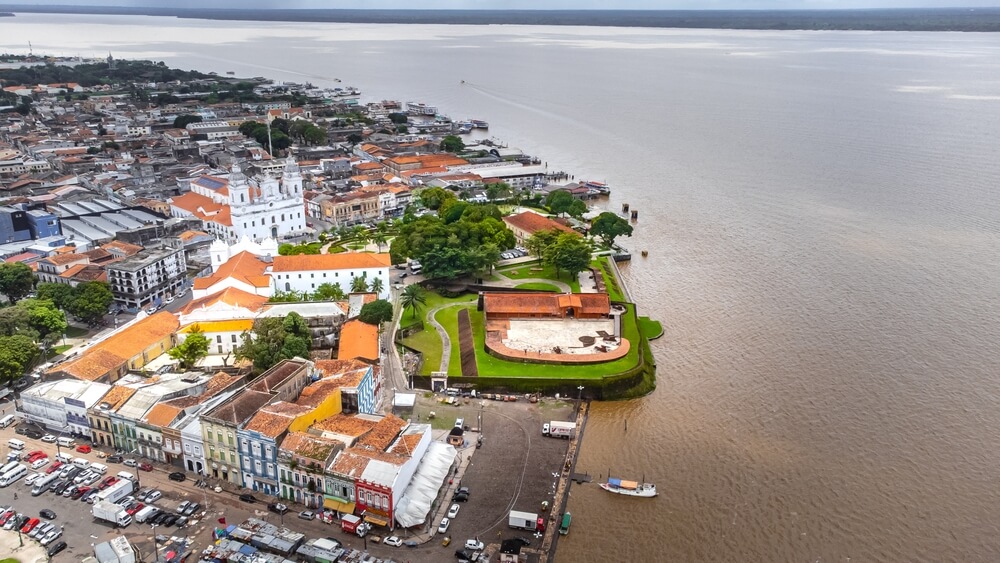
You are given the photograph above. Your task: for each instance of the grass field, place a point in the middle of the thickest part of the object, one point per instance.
(531, 270)
(650, 329)
(427, 341)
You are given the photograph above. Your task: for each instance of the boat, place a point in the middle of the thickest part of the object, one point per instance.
(230, 72)
(630, 488)
(479, 124)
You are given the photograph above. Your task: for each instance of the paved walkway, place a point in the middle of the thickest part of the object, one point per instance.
(504, 281)
(445, 339)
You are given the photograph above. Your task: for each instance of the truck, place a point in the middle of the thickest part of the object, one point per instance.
(116, 492)
(560, 429)
(145, 513)
(353, 525)
(526, 521)
(111, 512)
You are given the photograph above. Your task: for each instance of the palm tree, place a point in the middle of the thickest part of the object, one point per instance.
(376, 286)
(359, 285)
(413, 298)
(380, 239)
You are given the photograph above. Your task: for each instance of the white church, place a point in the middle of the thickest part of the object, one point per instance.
(233, 208)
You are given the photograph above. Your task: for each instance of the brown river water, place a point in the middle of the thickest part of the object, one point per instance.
(821, 215)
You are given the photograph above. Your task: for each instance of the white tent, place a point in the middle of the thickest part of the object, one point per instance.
(413, 506)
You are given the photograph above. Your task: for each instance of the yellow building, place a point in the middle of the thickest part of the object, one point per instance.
(130, 348)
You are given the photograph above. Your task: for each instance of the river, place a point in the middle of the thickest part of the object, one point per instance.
(821, 217)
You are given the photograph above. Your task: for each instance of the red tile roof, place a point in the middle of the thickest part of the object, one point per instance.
(340, 261)
(531, 223)
(245, 267)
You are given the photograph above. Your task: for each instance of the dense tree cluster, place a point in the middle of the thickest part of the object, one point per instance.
(452, 143)
(194, 348)
(25, 329)
(376, 312)
(16, 280)
(562, 202)
(566, 252)
(464, 238)
(92, 74)
(608, 226)
(273, 339)
(88, 301)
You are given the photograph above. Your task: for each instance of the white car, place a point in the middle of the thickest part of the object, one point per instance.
(444, 525)
(40, 462)
(82, 478)
(130, 462)
(453, 511)
(394, 541)
(52, 536)
(31, 478)
(153, 496)
(474, 545)
(48, 438)
(182, 506)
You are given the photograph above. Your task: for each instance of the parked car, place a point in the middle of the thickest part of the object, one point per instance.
(277, 507)
(247, 497)
(474, 545)
(61, 486)
(141, 495)
(80, 491)
(153, 496)
(443, 526)
(90, 495)
(31, 478)
(114, 458)
(49, 439)
(130, 462)
(178, 476)
(191, 509)
(70, 490)
(171, 519)
(39, 463)
(83, 449)
(453, 511)
(183, 506)
(394, 541)
(29, 525)
(53, 468)
(461, 497)
(52, 536)
(56, 548)
(307, 515)
(145, 466)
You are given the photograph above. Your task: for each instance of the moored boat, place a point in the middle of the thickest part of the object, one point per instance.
(630, 488)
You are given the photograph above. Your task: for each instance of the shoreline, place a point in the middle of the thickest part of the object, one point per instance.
(882, 19)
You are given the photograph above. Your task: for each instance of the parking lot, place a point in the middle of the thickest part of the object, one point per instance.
(513, 470)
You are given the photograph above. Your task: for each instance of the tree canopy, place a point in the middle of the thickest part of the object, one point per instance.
(90, 301)
(273, 339)
(570, 253)
(194, 348)
(433, 198)
(452, 143)
(16, 280)
(376, 312)
(413, 298)
(182, 121)
(16, 355)
(561, 201)
(608, 226)
(449, 250)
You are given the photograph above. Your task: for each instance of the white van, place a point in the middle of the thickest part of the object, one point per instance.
(126, 475)
(64, 457)
(98, 468)
(15, 444)
(145, 513)
(81, 463)
(7, 421)
(66, 442)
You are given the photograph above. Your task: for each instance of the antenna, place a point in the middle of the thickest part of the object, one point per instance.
(30, 53)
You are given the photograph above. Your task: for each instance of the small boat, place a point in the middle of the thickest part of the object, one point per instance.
(630, 488)
(230, 72)
(479, 124)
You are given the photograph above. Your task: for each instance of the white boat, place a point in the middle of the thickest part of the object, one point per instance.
(631, 488)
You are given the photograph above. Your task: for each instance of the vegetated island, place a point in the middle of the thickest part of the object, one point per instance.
(899, 19)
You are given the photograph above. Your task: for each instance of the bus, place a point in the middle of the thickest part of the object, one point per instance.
(13, 475)
(42, 484)
(10, 466)
(564, 527)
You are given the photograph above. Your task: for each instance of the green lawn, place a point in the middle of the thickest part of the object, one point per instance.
(537, 286)
(491, 366)
(427, 341)
(531, 270)
(650, 329)
(610, 280)
(448, 318)
(60, 349)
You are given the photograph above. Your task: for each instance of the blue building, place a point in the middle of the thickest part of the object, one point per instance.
(259, 439)
(42, 224)
(14, 226)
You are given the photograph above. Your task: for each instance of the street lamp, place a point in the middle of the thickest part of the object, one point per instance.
(579, 397)
(156, 547)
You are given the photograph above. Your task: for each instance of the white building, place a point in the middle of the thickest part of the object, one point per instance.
(236, 207)
(307, 272)
(147, 277)
(62, 405)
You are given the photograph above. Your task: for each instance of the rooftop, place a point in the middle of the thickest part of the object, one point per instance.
(245, 267)
(358, 340)
(119, 348)
(531, 222)
(308, 446)
(340, 261)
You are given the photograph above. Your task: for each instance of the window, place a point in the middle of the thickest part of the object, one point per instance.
(243, 445)
(257, 466)
(220, 348)
(311, 275)
(234, 339)
(218, 339)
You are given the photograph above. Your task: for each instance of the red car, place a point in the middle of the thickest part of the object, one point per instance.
(29, 525)
(32, 456)
(80, 492)
(83, 449)
(145, 466)
(6, 516)
(53, 468)
(107, 483)
(136, 508)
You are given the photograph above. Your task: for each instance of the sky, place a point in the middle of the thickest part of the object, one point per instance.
(528, 4)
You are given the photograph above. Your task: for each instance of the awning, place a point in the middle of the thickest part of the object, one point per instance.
(376, 520)
(332, 504)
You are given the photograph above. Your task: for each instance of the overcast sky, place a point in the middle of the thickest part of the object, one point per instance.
(532, 4)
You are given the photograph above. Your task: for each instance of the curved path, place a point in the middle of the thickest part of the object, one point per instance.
(445, 339)
(509, 282)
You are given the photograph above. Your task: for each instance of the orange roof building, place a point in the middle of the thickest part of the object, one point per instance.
(546, 305)
(528, 223)
(130, 348)
(244, 271)
(358, 340)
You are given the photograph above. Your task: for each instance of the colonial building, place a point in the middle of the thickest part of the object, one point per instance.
(147, 277)
(234, 207)
(305, 272)
(527, 223)
(302, 462)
